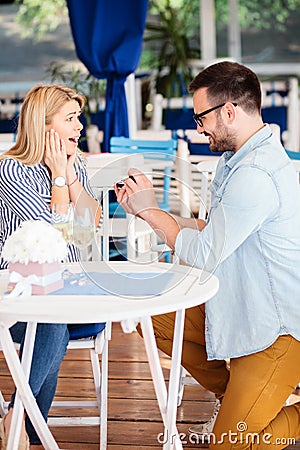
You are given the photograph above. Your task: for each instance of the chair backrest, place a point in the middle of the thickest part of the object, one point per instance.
(207, 170)
(152, 149)
(295, 157)
(297, 168)
(159, 156)
(104, 170)
(179, 112)
(153, 135)
(280, 104)
(111, 168)
(6, 141)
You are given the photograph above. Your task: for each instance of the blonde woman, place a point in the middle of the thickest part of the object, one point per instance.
(42, 168)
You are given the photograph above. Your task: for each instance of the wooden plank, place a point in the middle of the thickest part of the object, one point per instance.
(142, 410)
(135, 388)
(117, 369)
(126, 434)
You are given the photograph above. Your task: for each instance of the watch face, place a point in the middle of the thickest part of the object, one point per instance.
(59, 181)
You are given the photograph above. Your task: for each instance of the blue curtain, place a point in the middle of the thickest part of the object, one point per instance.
(108, 36)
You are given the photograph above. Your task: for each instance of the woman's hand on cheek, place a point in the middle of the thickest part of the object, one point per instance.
(55, 153)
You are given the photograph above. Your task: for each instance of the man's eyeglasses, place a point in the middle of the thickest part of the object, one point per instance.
(198, 117)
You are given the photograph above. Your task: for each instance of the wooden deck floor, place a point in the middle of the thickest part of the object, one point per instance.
(134, 419)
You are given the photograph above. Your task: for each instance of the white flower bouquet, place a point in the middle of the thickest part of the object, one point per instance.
(34, 253)
(35, 241)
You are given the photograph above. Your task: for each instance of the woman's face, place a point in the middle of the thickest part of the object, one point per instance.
(66, 123)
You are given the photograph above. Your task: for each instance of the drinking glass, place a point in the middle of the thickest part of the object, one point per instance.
(83, 234)
(62, 219)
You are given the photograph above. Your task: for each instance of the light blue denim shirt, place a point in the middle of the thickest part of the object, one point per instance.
(252, 243)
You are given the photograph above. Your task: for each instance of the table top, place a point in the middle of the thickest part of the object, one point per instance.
(186, 288)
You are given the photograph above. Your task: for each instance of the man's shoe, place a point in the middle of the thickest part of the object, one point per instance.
(207, 427)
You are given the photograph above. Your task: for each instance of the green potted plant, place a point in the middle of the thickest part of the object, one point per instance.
(170, 35)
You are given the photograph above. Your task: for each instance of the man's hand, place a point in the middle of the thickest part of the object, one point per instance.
(137, 197)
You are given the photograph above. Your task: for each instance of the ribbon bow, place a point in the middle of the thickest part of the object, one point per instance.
(129, 325)
(23, 286)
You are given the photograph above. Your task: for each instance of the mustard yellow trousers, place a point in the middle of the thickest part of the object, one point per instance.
(252, 415)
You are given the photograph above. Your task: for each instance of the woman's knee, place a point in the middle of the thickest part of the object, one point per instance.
(17, 332)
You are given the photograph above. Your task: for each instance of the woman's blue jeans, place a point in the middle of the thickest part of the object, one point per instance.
(49, 349)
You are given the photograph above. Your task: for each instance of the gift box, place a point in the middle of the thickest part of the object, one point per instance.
(34, 252)
(48, 276)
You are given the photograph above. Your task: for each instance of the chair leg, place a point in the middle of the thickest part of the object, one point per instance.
(181, 385)
(101, 380)
(104, 399)
(97, 375)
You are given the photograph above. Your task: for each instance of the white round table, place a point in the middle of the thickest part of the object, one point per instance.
(187, 287)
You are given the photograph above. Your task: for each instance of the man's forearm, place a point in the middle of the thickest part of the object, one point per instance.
(167, 226)
(164, 225)
(190, 222)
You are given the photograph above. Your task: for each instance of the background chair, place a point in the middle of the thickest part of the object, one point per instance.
(6, 141)
(130, 235)
(280, 105)
(280, 101)
(159, 157)
(93, 337)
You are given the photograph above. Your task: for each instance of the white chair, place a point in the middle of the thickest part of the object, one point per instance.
(276, 94)
(160, 104)
(284, 94)
(187, 182)
(6, 141)
(97, 346)
(159, 156)
(153, 135)
(104, 170)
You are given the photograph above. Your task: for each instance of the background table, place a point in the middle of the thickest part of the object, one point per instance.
(188, 287)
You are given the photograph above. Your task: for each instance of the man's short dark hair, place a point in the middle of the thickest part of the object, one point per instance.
(229, 81)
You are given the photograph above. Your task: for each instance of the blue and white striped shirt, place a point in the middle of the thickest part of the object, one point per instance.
(25, 194)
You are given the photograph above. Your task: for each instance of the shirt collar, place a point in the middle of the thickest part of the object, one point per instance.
(232, 158)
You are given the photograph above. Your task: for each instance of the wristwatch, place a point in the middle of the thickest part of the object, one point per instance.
(59, 182)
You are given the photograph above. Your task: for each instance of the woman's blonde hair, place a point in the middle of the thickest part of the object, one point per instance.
(40, 104)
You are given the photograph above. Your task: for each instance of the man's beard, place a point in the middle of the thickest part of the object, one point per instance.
(223, 141)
